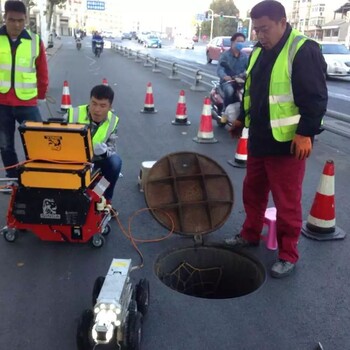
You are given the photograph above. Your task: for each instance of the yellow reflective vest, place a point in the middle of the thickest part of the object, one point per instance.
(284, 114)
(25, 81)
(80, 115)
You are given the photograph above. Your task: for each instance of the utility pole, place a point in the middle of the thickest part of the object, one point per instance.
(212, 23)
(1, 20)
(42, 5)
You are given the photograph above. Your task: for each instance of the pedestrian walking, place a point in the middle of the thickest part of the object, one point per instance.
(23, 79)
(284, 101)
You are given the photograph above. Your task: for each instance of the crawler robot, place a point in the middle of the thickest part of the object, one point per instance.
(118, 311)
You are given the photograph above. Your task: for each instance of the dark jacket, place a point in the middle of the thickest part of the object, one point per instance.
(309, 90)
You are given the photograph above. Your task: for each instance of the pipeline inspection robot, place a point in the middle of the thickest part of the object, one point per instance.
(117, 313)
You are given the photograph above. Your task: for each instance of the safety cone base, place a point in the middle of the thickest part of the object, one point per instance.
(176, 122)
(151, 111)
(200, 140)
(237, 164)
(338, 233)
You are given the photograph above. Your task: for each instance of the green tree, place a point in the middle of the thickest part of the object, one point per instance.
(222, 26)
(49, 11)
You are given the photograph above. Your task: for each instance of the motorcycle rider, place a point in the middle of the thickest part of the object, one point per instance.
(97, 37)
(232, 63)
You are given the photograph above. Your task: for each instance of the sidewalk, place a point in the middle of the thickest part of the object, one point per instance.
(52, 51)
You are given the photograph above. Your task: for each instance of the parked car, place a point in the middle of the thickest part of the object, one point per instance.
(127, 36)
(195, 38)
(152, 41)
(337, 57)
(182, 42)
(216, 47)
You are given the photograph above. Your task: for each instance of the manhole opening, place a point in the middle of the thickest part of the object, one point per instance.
(210, 272)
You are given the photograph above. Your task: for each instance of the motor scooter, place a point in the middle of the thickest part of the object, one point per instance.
(217, 101)
(98, 48)
(78, 43)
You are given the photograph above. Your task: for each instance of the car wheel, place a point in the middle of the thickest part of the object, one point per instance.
(208, 58)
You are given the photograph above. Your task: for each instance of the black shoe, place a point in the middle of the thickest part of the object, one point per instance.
(282, 268)
(239, 241)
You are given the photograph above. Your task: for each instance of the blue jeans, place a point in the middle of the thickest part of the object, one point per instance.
(8, 117)
(110, 169)
(228, 94)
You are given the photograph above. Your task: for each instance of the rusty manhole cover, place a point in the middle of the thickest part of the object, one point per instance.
(192, 189)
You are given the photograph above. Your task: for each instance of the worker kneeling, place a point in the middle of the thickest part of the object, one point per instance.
(103, 124)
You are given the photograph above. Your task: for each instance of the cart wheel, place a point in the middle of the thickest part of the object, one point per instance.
(142, 296)
(107, 230)
(97, 241)
(84, 339)
(97, 289)
(134, 331)
(10, 235)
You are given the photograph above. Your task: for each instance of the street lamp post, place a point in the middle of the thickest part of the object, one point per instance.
(212, 23)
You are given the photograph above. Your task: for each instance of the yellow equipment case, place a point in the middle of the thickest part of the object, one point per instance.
(59, 196)
(59, 154)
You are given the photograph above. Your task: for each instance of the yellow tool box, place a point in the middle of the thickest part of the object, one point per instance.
(51, 175)
(56, 141)
(59, 155)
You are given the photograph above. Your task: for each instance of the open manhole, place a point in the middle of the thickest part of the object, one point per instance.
(193, 194)
(210, 272)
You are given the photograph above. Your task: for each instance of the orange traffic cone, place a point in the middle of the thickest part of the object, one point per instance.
(65, 101)
(104, 82)
(181, 111)
(149, 103)
(205, 131)
(320, 224)
(241, 155)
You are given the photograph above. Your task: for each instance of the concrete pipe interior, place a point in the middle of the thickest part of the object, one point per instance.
(210, 272)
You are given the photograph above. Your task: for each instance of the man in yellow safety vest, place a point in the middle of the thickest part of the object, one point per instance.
(103, 123)
(23, 79)
(285, 99)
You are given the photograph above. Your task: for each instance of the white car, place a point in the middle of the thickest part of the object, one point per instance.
(181, 42)
(337, 57)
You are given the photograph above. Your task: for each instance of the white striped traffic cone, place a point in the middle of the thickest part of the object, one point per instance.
(65, 101)
(241, 154)
(205, 132)
(149, 102)
(320, 224)
(181, 111)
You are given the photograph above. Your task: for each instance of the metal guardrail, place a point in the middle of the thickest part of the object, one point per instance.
(200, 80)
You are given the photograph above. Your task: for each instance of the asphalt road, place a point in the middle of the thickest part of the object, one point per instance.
(45, 286)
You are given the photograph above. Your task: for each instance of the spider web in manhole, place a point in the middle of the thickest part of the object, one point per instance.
(199, 282)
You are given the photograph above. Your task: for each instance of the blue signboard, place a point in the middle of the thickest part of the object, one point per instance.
(95, 5)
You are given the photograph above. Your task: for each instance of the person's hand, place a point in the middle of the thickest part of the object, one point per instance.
(227, 78)
(236, 129)
(301, 147)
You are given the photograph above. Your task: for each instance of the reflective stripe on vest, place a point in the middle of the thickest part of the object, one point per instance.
(284, 114)
(25, 80)
(104, 131)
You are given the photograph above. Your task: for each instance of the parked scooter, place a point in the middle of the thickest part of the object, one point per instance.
(217, 101)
